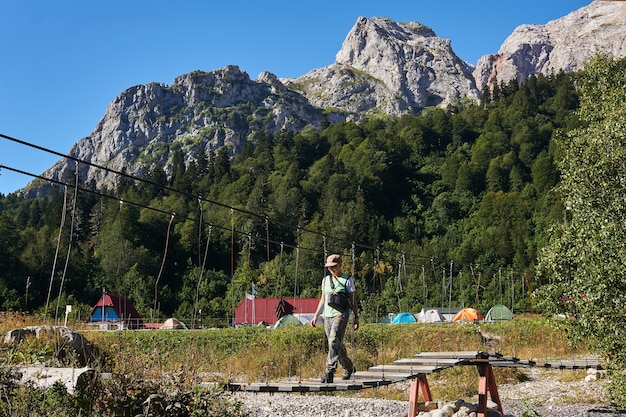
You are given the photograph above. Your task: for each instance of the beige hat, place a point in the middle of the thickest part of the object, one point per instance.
(333, 260)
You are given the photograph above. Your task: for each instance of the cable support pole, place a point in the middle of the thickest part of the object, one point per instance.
(69, 247)
(267, 236)
(399, 286)
(167, 242)
(232, 263)
(278, 276)
(200, 262)
(56, 253)
(121, 234)
(249, 249)
(450, 285)
(376, 264)
(353, 259)
(202, 269)
(295, 284)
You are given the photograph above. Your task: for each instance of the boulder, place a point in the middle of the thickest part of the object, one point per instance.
(69, 344)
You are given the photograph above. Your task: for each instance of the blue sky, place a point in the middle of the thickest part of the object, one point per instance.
(64, 61)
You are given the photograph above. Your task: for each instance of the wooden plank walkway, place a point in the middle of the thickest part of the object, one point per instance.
(407, 369)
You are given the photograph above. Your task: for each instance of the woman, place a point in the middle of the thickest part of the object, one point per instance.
(336, 321)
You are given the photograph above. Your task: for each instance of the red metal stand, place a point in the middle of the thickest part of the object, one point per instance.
(420, 383)
(486, 383)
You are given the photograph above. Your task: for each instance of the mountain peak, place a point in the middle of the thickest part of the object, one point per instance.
(562, 44)
(389, 67)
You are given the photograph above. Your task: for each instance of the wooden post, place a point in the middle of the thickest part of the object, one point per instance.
(486, 383)
(419, 383)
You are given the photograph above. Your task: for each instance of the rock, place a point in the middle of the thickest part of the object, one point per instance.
(440, 413)
(73, 379)
(78, 348)
(448, 409)
(560, 45)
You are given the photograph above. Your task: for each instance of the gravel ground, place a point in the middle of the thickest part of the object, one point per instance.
(545, 393)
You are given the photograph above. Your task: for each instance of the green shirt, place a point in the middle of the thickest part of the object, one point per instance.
(341, 284)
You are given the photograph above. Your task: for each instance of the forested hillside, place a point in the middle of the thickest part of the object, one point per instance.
(447, 208)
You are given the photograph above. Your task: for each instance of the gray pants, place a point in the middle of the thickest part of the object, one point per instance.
(335, 328)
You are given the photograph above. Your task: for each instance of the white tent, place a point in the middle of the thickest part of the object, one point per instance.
(430, 316)
(173, 324)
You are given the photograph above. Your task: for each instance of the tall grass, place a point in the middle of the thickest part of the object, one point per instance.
(257, 354)
(254, 354)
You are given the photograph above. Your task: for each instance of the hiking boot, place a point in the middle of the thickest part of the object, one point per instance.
(328, 378)
(347, 374)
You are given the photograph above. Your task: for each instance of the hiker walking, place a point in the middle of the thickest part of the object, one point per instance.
(338, 297)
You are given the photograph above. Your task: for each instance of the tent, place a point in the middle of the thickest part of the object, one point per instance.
(404, 318)
(499, 312)
(468, 315)
(115, 310)
(430, 316)
(287, 320)
(307, 318)
(173, 324)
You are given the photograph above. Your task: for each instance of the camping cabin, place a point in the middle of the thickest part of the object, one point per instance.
(115, 312)
(254, 310)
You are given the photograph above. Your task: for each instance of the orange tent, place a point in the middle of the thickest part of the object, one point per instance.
(468, 315)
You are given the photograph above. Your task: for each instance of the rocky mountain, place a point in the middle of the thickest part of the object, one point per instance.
(389, 68)
(562, 44)
(383, 67)
(197, 114)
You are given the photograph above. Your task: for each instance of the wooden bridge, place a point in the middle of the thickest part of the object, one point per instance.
(416, 369)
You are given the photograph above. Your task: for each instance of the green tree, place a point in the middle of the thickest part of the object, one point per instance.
(583, 264)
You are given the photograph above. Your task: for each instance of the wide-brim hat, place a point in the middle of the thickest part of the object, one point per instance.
(333, 260)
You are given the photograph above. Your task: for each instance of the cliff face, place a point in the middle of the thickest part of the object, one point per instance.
(562, 44)
(197, 114)
(388, 67)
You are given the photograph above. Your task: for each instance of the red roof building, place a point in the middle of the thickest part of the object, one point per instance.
(268, 310)
(115, 310)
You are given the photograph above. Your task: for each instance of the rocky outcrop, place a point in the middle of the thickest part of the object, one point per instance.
(198, 113)
(70, 345)
(389, 68)
(560, 45)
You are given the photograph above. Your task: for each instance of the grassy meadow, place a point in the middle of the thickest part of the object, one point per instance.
(253, 354)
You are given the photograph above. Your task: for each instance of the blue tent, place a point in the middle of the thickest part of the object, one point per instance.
(404, 318)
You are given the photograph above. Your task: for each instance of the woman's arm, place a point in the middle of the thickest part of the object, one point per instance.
(319, 309)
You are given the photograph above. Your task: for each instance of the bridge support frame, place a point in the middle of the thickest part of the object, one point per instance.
(486, 385)
(419, 383)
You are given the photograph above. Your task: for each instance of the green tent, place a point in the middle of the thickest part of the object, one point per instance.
(499, 312)
(286, 320)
